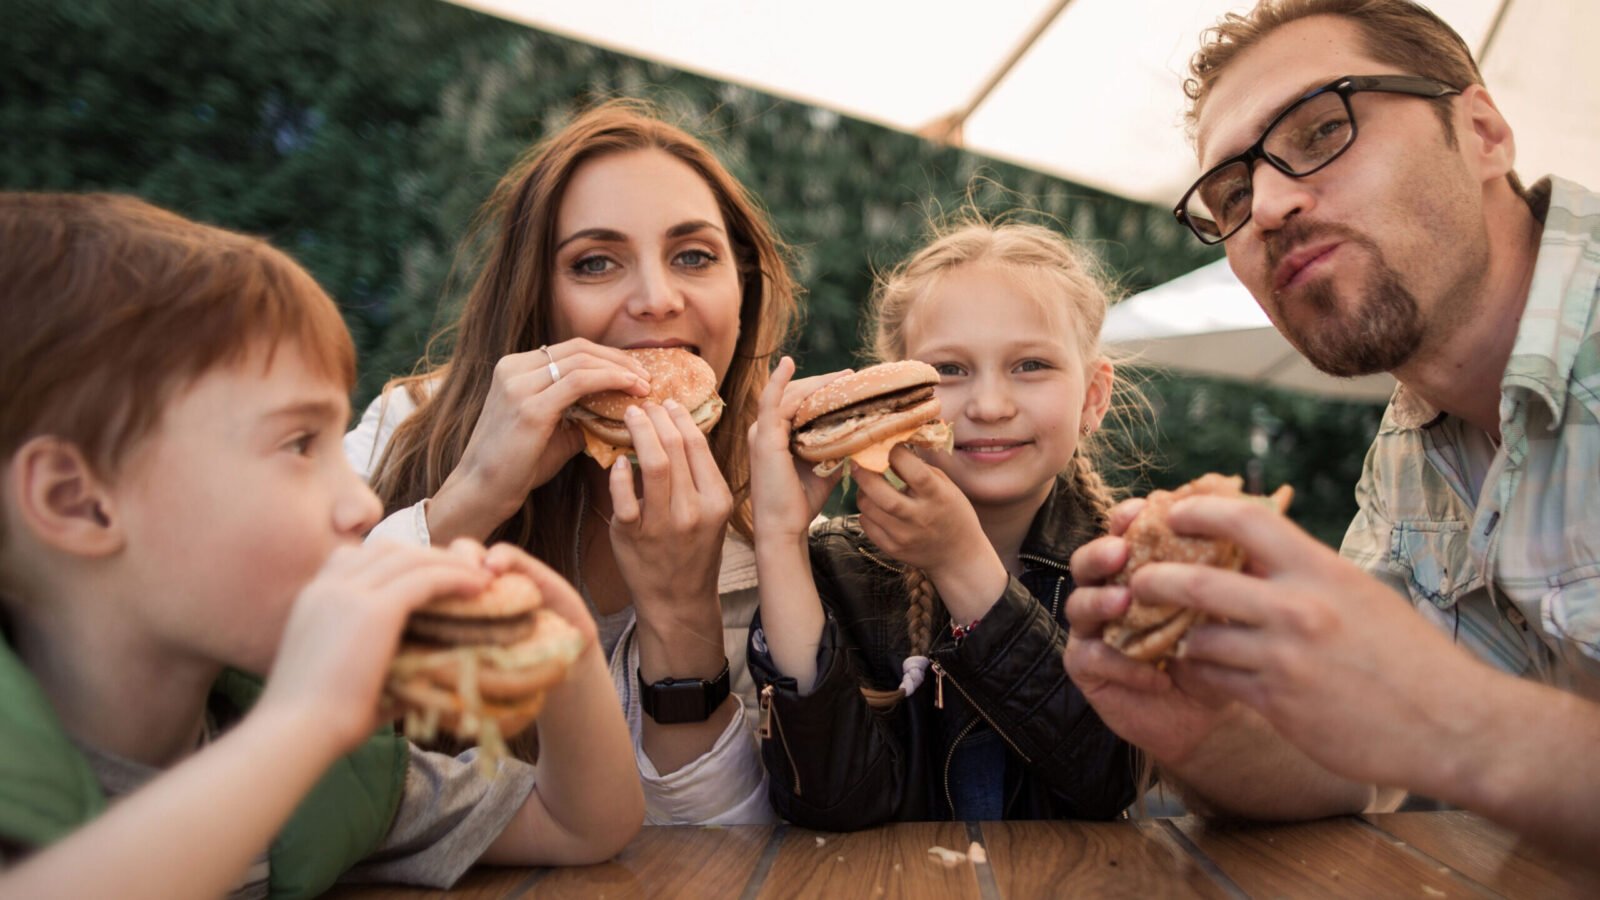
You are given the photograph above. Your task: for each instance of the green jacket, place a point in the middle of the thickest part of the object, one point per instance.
(47, 789)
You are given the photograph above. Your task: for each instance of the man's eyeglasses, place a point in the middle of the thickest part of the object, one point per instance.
(1301, 140)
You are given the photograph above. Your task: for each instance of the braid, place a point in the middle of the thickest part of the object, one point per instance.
(1088, 484)
(920, 598)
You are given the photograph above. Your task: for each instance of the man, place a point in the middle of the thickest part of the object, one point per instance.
(1360, 179)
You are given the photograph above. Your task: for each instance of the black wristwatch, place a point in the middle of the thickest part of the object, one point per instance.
(675, 701)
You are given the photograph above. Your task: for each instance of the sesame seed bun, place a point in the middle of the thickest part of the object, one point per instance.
(873, 381)
(861, 416)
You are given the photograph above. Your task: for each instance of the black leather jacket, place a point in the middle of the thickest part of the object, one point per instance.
(838, 764)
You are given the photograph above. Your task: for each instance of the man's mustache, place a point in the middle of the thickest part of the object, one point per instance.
(1296, 234)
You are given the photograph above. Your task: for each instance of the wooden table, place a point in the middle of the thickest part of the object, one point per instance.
(1418, 854)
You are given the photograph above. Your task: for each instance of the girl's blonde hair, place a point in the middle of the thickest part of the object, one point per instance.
(1062, 277)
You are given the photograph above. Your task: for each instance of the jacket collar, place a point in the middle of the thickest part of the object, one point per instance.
(1064, 523)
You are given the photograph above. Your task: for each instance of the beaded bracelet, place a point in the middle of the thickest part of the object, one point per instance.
(958, 631)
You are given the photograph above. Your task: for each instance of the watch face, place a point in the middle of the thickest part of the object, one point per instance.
(680, 701)
(674, 701)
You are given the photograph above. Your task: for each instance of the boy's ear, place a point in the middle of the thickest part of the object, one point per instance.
(61, 500)
(1097, 392)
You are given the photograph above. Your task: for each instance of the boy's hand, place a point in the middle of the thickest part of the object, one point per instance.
(559, 595)
(931, 525)
(785, 494)
(345, 627)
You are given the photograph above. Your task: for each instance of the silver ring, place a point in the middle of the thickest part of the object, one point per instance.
(555, 373)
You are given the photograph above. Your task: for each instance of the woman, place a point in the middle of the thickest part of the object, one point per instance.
(620, 231)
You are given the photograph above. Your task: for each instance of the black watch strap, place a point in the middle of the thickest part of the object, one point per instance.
(676, 701)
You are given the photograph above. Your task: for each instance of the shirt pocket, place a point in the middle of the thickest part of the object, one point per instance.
(1436, 561)
(1570, 612)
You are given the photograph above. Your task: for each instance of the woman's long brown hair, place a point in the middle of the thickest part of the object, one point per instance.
(508, 310)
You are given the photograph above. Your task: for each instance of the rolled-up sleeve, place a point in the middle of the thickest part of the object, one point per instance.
(725, 786)
(364, 446)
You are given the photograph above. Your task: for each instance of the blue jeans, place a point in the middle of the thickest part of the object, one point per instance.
(978, 776)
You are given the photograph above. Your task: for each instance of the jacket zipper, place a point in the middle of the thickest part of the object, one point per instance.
(938, 701)
(769, 717)
(949, 758)
(1061, 580)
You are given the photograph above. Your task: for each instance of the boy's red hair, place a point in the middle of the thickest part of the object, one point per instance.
(109, 306)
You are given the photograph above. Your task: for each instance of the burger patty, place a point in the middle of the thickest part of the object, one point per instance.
(882, 403)
(454, 631)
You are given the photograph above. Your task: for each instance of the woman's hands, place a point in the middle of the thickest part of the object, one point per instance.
(521, 438)
(667, 529)
(931, 525)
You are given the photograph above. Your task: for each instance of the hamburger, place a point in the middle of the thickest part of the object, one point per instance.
(478, 667)
(1150, 632)
(860, 417)
(675, 374)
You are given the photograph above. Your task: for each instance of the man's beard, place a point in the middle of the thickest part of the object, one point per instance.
(1379, 335)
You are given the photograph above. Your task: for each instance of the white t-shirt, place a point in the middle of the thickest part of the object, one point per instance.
(726, 786)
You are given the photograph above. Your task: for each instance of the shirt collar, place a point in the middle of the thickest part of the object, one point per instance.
(1559, 303)
(1561, 296)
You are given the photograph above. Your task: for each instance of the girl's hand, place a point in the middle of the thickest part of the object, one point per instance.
(345, 627)
(522, 438)
(785, 495)
(668, 536)
(931, 525)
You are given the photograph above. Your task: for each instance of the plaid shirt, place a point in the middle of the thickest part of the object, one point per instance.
(1512, 570)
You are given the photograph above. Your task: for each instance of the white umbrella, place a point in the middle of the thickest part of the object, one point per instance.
(1207, 323)
(1084, 89)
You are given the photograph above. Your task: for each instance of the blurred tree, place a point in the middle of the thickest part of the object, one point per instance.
(362, 137)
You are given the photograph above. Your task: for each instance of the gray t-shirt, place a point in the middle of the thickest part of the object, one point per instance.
(449, 814)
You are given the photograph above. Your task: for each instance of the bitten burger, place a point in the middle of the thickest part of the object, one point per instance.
(675, 374)
(478, 667)
(1148, 631)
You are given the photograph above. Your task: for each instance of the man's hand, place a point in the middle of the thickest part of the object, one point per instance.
(1332, 658)
(1136, 700)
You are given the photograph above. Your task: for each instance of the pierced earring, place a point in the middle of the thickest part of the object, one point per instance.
(1085, 429)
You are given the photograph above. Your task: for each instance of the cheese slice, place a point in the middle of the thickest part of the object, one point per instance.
(876, 457)
(604, 453)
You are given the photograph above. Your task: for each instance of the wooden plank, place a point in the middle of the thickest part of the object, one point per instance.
(890, 862)
(667, 861)
(482, 883)
(1328, 858)
(1489, 854)
(1092, 859)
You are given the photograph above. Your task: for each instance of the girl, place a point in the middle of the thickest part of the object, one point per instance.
(963, 574)
(620, 231)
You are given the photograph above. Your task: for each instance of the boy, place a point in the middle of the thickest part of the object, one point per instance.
(176, 506)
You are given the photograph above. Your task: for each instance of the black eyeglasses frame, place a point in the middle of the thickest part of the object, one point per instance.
(1344, 86)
